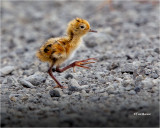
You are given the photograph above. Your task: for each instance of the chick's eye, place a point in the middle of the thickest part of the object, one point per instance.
(81, 26)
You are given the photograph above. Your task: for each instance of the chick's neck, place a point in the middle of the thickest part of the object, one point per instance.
(73, 37)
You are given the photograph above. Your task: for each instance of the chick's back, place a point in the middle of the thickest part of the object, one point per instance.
(52, 51)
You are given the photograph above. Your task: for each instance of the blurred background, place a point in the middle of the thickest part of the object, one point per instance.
(123, 81)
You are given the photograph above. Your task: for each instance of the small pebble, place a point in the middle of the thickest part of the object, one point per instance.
(147, 83)
(113, 66)
(74, 86)
(132, 92)
(13, 97)
(110, 89)
(39, 95)
(31, 40)
(157, 50)
(87, 90)
(55, 93)
(128, 82)
(128, 68)
(36, 79)
(137, 89)
(154, 75)
(128, 88)
(24, 97)
(7, 70)
(12, 81)
(84, 86)
(25, 83)
(69, 76)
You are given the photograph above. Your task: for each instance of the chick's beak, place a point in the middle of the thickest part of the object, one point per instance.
(92, 30)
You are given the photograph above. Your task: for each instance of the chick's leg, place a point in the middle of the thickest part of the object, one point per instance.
(76, 63)
(50, 73)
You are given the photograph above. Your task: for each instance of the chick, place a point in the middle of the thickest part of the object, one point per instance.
(56, 50)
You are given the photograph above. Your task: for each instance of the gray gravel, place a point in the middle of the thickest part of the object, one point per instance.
(125, 80)
(7, 70)
(25, 83)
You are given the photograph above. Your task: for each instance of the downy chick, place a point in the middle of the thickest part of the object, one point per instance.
(56, 50)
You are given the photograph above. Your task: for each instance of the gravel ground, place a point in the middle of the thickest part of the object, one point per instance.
(124, 81)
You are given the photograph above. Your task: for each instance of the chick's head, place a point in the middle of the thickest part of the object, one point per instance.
(79, 27)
